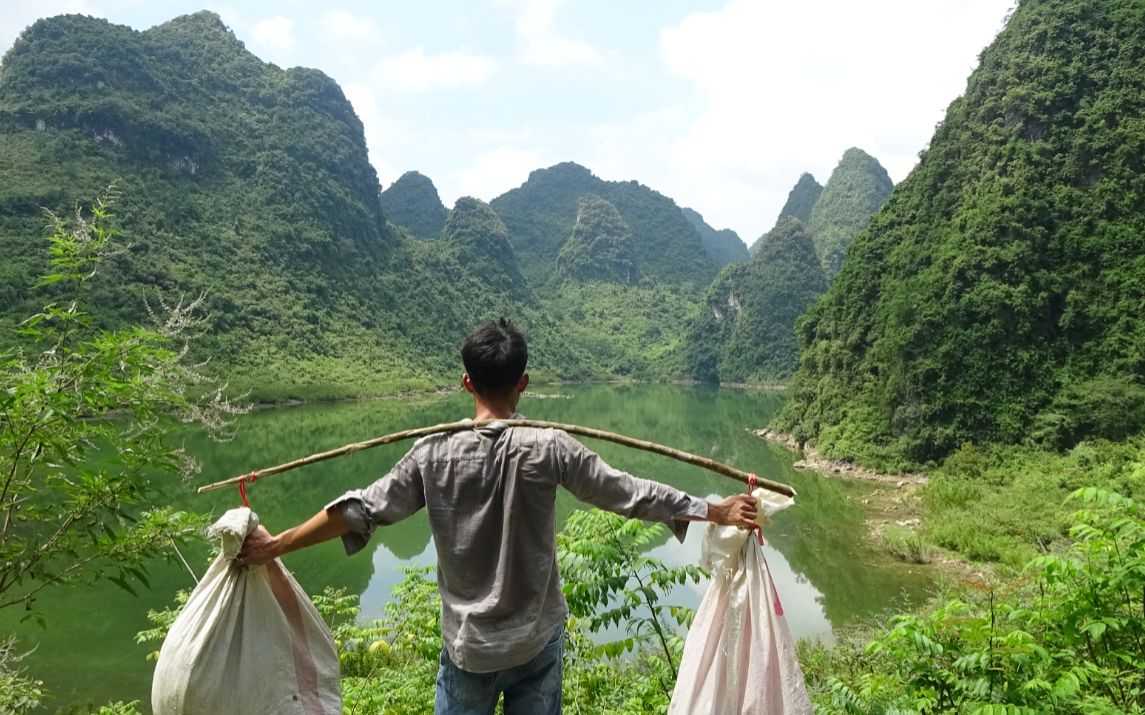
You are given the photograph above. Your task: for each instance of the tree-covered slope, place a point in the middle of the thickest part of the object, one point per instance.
(724, 246)
(997, 296)
(599, 247)
(542, 212)
(471, 275)
(239, 180)
(746, 330)
(412, 202)
(800, 200)
(857, 188)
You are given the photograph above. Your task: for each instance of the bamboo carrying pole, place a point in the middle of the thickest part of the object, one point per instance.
(704, 462)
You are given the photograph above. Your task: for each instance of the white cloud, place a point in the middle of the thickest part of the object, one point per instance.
(17, 15)
(274, 33)
(416, 71)
(344, 28)
(780, 99)
(636, 147)
(541, 42)
(495, 171)
(365, 106)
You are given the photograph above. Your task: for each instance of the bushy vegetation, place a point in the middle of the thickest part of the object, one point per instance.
(84, 420)
(996, 297)
(1065, 636)
(599, 247)
(1005, 504)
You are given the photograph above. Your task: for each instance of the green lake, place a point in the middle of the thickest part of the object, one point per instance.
(824, 566)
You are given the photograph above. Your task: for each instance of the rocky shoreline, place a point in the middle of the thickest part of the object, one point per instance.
(813, 460)
(892, 502)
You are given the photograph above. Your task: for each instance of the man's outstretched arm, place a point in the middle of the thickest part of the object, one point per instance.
(261, 546)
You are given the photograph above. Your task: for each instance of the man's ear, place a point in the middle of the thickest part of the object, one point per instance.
(467, 383)
(523, 382)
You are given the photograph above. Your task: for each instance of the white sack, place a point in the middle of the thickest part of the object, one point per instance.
(248, 642)
(739, 656)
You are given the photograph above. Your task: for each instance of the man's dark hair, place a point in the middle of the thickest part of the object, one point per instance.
(495, 356)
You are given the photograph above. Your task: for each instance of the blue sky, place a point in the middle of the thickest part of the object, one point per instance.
(719, 104)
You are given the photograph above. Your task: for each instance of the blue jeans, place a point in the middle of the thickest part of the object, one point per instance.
(533, 688)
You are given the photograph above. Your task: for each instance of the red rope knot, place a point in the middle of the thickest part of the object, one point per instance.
(751, 482)
(242, 487)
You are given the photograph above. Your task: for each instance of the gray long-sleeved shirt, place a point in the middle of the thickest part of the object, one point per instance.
(490, 496)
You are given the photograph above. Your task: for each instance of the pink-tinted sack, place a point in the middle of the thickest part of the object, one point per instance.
(740, 656)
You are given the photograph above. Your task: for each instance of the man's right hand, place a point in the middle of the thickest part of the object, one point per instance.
(736, 510)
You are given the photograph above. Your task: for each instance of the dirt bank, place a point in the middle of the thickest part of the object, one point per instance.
(893, 503)
(836, 467)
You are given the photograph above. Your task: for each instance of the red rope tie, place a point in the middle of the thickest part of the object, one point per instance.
(751, 480)
(242, 487)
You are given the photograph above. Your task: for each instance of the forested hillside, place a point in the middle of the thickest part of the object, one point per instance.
(541, 215)
(997, 295)
(412, 202)
(857, 188)
(747, 330)
(244, 182)
(617, 265)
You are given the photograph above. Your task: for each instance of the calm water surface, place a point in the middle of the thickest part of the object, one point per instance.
(824, 567)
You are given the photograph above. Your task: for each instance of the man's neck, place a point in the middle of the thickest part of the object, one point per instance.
(493, 410)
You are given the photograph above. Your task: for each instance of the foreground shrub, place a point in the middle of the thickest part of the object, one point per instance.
(1067, 636)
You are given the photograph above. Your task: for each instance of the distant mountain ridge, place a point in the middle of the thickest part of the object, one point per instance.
(747, 332)
(724, 246)
(413, 203)
(800, 200)
(251, 184)
(541, 215)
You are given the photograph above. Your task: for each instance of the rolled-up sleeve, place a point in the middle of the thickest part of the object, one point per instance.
(390, 499)
(592, 480)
